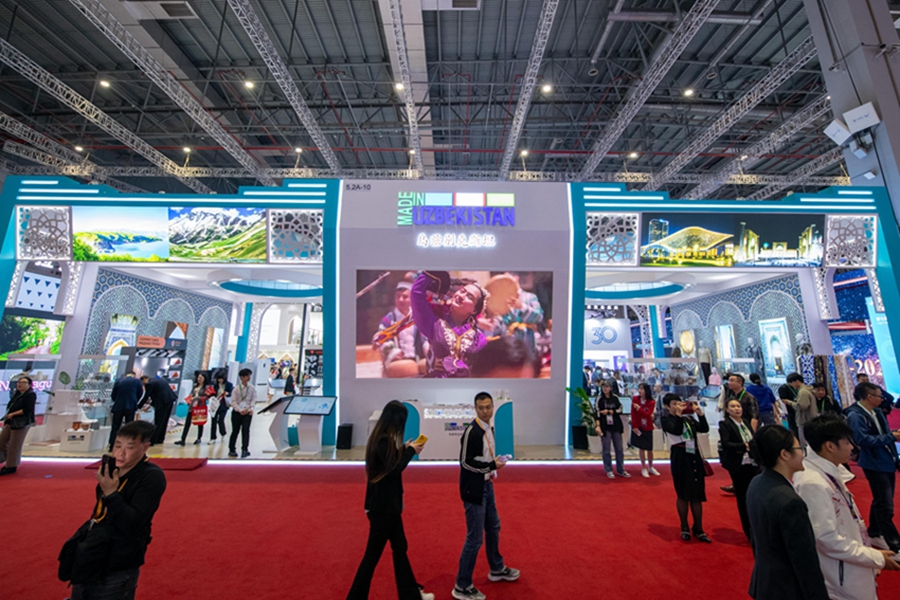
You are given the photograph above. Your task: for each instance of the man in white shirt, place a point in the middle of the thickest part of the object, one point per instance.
(848, 563)
(243, 399)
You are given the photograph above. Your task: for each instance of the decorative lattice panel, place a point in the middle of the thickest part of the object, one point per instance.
(259, 309)
(295, 236)
(850, 240)
(14, 285)
(875, 288)
(643, 313)
(73, 284)
(43, 233)
(823, 293)
(612, 238)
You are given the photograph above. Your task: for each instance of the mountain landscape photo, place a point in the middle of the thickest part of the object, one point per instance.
(125, 235)
(217, 234)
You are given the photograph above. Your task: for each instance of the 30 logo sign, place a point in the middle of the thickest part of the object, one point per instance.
(605, 334)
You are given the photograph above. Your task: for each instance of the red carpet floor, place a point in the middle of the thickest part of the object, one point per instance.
(228, 532)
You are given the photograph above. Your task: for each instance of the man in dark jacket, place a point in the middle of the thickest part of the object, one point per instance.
(479, 463)
(162, 398)
(127, 499)
(786, 566)
(125, 395)
(878, 459)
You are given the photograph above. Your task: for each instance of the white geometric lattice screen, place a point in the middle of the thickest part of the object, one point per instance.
(850, 240)
(295, 236)
(43, 233)
(612, 238)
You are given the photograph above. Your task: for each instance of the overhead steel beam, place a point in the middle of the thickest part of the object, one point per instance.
(637, 95)
(538, 46)
(801, 55)
(801, 175)
(403, 68)
(38, 140)
(260, 38)
(104, 20)
(14, 59)
(768, 145)
(85, 170)
(648, 16)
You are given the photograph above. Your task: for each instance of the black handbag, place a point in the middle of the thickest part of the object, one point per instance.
(84, 556)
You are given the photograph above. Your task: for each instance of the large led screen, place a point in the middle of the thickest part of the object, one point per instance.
(453, 324)
(161, 234)
(732, 240)
(27, 335)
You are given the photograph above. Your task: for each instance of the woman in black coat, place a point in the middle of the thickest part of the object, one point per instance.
(688, 472)
(386, 457)
(19, 418)
(735, 434)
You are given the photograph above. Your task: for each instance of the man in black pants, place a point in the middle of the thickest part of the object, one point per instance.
(162, 398)
(479, 463)
(125, 395)
(243, 399)
(126, 501)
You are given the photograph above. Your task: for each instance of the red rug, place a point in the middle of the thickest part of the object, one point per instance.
(282, 531)
(167, 464)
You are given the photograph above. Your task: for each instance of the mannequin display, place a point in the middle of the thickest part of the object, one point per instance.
(754, 351)
(704, 355)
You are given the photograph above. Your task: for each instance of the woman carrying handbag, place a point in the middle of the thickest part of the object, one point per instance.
(198, 408)
(19, 418)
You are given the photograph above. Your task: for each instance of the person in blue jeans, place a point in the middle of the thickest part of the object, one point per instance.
(768, 405)
(479, 464)
(878, 459)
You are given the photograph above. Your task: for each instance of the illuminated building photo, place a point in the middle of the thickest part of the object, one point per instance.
(732, 240)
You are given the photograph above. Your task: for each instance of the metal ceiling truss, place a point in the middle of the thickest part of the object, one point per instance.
(638, 95)
(801, 55)
(406, 93)
(250, 22)
(38, 140)
(768, 145)
(801, 175)
(85, 169)
(538, 46)
(56, 88)
(101, 18)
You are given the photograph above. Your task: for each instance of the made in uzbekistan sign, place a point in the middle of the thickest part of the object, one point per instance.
(473, 209)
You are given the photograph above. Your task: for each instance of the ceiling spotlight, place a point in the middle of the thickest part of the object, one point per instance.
(688, 92)
(744, 157)
(828, 97)
(79, 148)
(104, 83)
(186, 150)
(593, 72)
(398, 86)
(298, 150)
(547, 88)
(249, 85)
(523, 153)
(412, 152)
(633, 155)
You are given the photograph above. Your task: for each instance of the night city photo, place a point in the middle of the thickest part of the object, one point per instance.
(732, 240)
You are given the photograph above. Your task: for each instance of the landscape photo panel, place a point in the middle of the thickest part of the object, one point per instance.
(201, 234)
(127, 234)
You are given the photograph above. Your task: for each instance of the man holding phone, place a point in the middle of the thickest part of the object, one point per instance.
(479, 463)
(129, 490)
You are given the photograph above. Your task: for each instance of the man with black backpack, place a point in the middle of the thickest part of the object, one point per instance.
(104, 557)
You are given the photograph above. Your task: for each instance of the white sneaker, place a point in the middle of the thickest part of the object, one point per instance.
(426, 595)
(610, 475)
(469, 594)
(654, 471)
(644, 473)
(625, 474)
(507, 574)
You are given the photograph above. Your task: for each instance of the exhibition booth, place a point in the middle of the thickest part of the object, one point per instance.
(429, 292)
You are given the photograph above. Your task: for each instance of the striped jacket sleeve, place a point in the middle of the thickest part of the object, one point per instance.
(471, 451)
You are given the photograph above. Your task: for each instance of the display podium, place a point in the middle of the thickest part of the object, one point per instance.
(444, 425)
(310, 410)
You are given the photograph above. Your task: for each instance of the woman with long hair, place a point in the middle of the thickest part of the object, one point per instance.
(198, 406)
(451, 327)
(19, 418)
(610, 427)
(386, 457)
(688, 471)
(642, 406)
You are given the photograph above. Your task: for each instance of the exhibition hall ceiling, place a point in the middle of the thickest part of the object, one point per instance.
(555, 79)
(697, 282)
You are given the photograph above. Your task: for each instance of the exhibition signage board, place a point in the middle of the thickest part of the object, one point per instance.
(607, 334)
(149, 341)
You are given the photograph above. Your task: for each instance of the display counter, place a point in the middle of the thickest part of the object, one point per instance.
(444, 425)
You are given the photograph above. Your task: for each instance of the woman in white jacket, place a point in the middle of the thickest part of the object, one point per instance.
(847, 562)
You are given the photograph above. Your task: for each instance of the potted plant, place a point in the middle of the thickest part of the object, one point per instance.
(588, 418)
